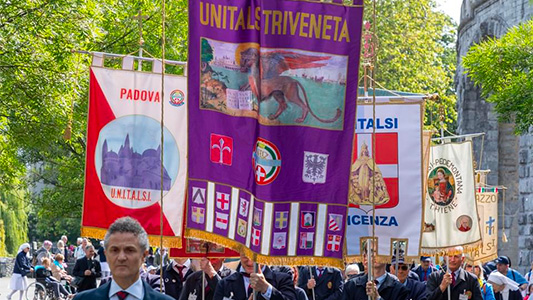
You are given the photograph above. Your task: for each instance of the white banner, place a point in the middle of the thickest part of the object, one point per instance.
(450, 217)
(398, 182)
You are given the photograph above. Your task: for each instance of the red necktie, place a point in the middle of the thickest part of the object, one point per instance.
(320, 270)
(453, 278)
(425, 276)
(122, 295)
(180, 272)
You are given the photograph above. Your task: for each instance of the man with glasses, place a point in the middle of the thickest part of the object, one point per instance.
(417, 289)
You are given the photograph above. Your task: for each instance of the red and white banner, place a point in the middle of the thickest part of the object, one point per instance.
(389, 177)
(123, 163)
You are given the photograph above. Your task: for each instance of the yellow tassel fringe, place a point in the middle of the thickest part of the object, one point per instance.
(155, 240)
(263, 259)
(468, 248)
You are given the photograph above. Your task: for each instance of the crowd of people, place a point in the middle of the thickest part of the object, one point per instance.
(129, 269)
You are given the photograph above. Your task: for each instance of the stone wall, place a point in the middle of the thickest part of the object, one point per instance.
(507, 156)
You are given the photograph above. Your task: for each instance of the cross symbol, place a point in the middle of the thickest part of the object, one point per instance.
(259, 173)
(222, 199)
(282, 219)
(197, 213)
(489, 222)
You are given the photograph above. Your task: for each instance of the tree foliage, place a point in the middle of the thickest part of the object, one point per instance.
(416, 53)
(503, 69)
(13, 221)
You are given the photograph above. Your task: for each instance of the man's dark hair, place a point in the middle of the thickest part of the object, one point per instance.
(128, 225)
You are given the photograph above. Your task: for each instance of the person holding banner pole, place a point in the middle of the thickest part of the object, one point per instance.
(203, 283)
(268, 284)
(462, 284)
(383, 287)
(321, 283)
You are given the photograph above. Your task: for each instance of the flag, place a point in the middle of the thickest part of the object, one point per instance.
(389, 174)
(272, 124)
(123, 158)
(334, 242)
(451, 216)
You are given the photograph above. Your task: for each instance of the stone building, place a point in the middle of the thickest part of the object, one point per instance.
(509, 157)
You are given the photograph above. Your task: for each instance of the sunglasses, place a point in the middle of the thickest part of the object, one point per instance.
(402, 267)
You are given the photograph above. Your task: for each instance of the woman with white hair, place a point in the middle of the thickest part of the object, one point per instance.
(22, 267)
(504, 288)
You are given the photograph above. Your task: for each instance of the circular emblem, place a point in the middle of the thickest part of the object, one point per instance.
(266, 160)
(177, 98)
(441, 186)
(463, 223)
(127, 160)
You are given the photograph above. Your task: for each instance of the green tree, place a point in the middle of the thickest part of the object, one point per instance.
(416, 53)
(503, 69)
(13, 221)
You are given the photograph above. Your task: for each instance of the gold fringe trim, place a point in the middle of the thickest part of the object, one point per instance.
(481, 260)
(264, 259)
(450, 251)
(168, 241)
(382, 259)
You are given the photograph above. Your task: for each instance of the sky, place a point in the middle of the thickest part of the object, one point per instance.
(451, 7)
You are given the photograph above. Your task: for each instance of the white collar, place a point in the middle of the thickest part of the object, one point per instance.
(187, 263)
(135, 290)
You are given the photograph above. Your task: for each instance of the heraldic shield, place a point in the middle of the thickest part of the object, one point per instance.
(363, 169)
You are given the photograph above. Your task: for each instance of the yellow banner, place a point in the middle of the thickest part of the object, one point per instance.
(487, 207)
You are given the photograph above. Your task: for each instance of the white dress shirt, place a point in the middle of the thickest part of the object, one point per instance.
(135, 291)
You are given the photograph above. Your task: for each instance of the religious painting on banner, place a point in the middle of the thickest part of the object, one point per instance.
(451, 215)
(275, 84)
(487, 207)
(392, 178)
(123, 165)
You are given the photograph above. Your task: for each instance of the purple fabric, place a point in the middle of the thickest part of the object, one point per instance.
(237, 140)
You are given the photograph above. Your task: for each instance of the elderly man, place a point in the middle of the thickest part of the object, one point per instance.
(384, 286)
(126, 246)
(88, 268)
(417, 289)
(44, 252)
(80, 250)
(214, 271)
(463, 285)
(269, 285)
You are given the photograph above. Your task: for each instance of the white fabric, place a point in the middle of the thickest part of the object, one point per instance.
(455, 158)
(23, 246)
(135, 291)
(500, 279)
(104, 266)
(18, 282)
(401, 218)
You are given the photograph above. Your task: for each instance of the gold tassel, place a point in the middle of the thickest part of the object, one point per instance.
(504, 237)
(263, 259)
(99, 233)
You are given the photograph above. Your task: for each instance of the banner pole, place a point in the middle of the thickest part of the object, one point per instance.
(256, 270)
(311, 277)
(369, 263)
(163, 12)
(448, 271)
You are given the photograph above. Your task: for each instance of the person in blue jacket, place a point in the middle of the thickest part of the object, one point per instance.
(20, 270)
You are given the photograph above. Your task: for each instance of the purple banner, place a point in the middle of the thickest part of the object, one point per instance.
(272, 91)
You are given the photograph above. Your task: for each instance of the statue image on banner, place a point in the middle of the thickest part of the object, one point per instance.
(363, 169)
(276, 86)
(441, 186)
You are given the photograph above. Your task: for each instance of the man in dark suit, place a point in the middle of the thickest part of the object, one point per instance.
(326, 282)
(461, 283)
(88, 268)
(214, 271)
(268, 284)
(417, 289)
(126, 246)
(425, 268)
(383, 287)
(174, 276)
